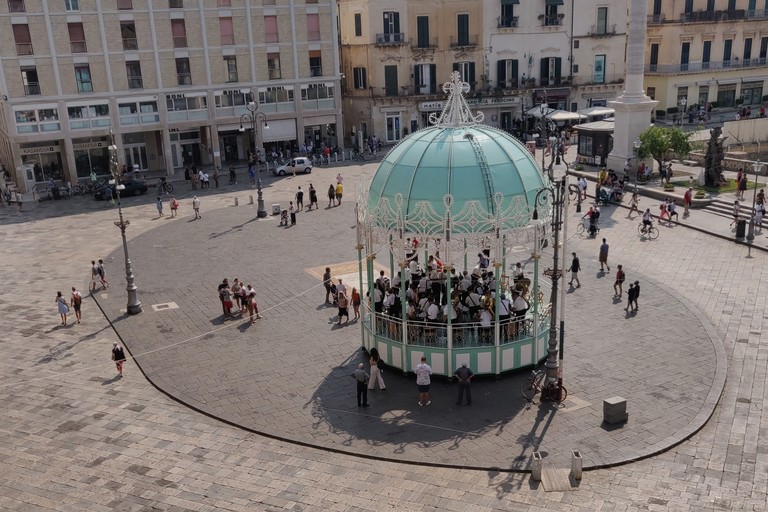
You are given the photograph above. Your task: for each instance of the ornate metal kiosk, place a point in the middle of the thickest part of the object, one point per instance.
(452, 191)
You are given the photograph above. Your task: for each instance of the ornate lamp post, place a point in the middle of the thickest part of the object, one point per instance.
(758, 168)
(252, 116)
(134, 305)
(556, 192)
(683, 103)
(543, 109)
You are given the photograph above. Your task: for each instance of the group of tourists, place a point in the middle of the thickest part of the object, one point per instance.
(238, 295)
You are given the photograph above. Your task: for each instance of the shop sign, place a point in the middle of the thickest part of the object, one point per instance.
(175, 96)
(39, 150)
(88, 145)
(429, 106)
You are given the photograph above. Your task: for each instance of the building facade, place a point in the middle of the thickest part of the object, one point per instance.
(707, 51)
(513, 54)
(170, 77)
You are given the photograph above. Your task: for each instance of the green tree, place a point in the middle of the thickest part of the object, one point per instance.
(658, 143)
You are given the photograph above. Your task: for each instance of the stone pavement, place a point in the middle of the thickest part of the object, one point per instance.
(291, 379)
(74, 438)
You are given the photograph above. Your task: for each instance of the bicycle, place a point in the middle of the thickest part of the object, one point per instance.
(164, 188)
(651, 232)
(538, 383)
(583, 228)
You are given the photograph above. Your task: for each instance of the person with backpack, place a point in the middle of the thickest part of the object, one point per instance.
(174, 206)
(75, 302)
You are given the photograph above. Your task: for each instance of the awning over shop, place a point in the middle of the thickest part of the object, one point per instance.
(597, 111)
(510, 2)
(280, 130)
(564, 115)
(554, 2)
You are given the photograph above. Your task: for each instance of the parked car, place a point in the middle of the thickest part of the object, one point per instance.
(303, 164)
(132, 188)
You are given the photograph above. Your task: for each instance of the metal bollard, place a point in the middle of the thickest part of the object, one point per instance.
(250, 199)
(536, 467)
(576, 464)
(237, 203)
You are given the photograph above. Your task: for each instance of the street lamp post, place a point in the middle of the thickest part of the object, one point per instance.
(683, 103)
(758, 167)
(252, 116)
(134, 305)
(543, 109)
(556, 192)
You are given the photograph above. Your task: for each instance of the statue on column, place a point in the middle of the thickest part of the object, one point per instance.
(713, 162)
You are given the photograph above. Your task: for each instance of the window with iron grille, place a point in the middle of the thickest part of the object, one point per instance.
(273, 65)
(183, 73)
(77, 38)
(230, 63)
(30, 80)
(315, 63)
(128, 33)
(23, 39)
(133, 71)
(83, 78)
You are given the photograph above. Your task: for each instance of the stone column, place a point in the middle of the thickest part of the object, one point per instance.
(633, 108)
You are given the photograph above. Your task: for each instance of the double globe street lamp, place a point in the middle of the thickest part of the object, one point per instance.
(253, 116)
(134, 305)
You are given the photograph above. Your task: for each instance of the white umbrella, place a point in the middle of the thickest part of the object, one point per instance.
(536, 111)
(597, 111)
(564, 115)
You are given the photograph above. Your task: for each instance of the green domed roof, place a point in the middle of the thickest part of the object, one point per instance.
(471, 172)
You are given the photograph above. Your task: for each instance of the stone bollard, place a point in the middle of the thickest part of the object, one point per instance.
(615, 410)
(250, 199)
(237, 203)
(576, 464)
(536, 467)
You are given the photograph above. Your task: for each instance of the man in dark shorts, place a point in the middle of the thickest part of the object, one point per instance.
(76, 302)
(423, 371)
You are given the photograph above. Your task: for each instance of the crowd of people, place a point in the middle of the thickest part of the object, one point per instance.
(469, 303)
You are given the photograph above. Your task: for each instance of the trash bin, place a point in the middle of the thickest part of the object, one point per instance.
(741, 228)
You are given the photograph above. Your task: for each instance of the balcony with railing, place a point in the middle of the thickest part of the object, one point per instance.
(713, 16)
(136, 82)
(757, 14)
(393, 38)
(78, 47)
(424, 44)
(24, 49)
(507, 21)
(602, 31)
(316, 70)
(508, 85)
(464, 42)
(551, 21)
(184, 78)
(656, 19)
(130, 44)
(274, 74)
(692, 67)
(32, 89)
(179, 41)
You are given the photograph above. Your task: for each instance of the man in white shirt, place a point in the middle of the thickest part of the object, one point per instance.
(433, 311)
(341, 288)
(377, 300)
(517, 272)
(423, 371)
(519, 307)
(466, 282)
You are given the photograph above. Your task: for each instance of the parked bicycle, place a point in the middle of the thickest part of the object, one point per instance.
(582, 229)
(538, 383)
(649, 231)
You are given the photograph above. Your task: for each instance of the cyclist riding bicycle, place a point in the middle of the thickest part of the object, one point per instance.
(647, 220)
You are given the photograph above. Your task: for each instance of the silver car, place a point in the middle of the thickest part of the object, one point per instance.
(303, 164)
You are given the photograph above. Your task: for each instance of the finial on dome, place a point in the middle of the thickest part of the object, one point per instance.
(456, 111)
